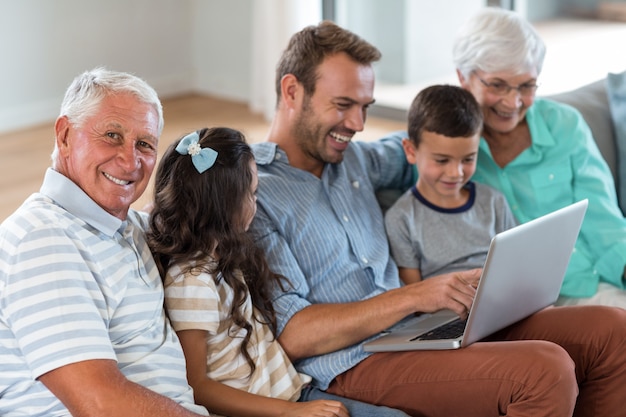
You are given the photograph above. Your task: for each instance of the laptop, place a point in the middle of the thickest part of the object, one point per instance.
(523, 273)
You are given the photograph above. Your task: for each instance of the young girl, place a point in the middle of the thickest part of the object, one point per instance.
(217, 284)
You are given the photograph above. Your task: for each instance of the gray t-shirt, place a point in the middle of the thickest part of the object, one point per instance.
(436, 240)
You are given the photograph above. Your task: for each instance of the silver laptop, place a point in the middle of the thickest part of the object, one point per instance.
(523, 273)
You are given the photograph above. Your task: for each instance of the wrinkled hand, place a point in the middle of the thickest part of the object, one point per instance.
(454, 291)
(321, 408)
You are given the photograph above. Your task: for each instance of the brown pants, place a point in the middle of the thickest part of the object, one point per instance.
(562, 361)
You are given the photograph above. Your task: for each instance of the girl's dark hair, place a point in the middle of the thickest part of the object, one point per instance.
(196, 216)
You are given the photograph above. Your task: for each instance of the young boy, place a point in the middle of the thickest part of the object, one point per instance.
(445, 222)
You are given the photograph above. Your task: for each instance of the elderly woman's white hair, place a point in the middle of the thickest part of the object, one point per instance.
(86, 92)
(497, 40)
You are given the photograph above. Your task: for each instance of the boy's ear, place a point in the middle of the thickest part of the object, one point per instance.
(409, 150)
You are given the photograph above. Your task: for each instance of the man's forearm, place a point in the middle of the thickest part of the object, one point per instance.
(323, 328)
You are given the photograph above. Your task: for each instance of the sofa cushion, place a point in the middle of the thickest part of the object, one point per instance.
(616, 92)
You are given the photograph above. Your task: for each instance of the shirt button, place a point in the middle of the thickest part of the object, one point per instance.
(277, 156)
(364, 259)
(551, 177)
(355, 184)
(345, 218)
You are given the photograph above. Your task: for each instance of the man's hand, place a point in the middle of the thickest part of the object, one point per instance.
(322, 328)
(454, 291)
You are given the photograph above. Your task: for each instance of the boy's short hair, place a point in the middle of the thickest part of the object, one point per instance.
(446, 110)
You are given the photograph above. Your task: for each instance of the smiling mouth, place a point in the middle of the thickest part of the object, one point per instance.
(116, 180)
(507, 115)
(340, 138)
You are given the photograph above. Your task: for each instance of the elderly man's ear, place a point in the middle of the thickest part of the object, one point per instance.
(61, 130)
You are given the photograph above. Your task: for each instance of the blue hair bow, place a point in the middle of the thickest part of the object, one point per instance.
(202, 158)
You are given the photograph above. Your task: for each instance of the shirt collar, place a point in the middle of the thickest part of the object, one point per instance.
(540, 134)
(267, 152)
(539, 131)
(73, 199)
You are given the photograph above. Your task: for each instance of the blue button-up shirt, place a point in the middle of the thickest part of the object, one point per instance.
(327, 236)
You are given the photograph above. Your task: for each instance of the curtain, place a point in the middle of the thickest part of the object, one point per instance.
(273, 23)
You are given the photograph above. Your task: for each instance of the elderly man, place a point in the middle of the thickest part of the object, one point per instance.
(82, 326)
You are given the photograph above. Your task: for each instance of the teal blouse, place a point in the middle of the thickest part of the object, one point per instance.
(563, 165)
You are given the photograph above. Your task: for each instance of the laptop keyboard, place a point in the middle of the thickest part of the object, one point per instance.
(450, 330)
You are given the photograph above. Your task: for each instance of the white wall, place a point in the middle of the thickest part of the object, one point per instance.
(383, 24)
(190, 45)
(431, 28)
(415, 37)
(221, 47)
(172, 44)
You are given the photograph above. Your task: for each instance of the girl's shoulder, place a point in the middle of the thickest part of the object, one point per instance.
(192, 273)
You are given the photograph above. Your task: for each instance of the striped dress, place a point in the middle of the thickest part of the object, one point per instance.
(195, 301)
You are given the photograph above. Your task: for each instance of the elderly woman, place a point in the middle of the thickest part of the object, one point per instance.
(539, 153)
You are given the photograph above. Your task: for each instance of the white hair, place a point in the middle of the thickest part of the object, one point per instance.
(84, 95)
(497, 40)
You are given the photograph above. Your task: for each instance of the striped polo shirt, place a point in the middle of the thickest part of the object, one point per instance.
(78, 284)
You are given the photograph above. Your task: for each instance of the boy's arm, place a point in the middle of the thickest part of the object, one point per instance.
(410, 275)
(398, 225)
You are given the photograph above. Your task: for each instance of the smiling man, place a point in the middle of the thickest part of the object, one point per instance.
(82, 326)
(112, 154)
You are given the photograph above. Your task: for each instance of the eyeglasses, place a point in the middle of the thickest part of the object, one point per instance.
(500, 88)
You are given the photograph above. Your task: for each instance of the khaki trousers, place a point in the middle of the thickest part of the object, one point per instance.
(562, 361)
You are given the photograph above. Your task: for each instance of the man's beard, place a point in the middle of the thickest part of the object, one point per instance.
(311, 137)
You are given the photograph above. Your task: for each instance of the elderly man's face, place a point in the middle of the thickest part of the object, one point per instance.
(112, 155)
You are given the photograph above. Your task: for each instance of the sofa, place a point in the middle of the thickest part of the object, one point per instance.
(603, 106)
